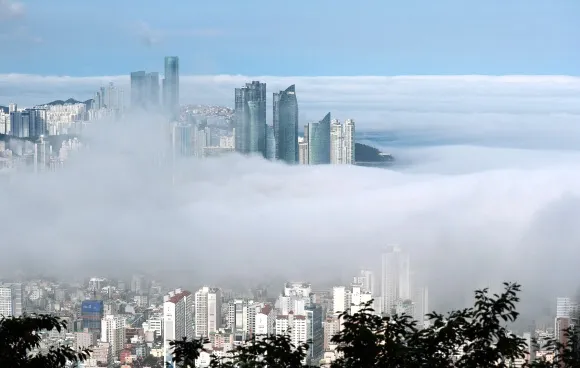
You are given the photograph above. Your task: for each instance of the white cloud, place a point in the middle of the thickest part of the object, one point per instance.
(488, 190)
(11, 9)
(151, 36)
(537, 111)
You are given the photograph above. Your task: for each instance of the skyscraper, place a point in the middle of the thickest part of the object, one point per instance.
(270, 143)
(11, 300)
(250, 118)
(285, 109)
(319, 141)
(208, 309)
(348, 142)
(396, 278)
(92, 312)
(182, 137)
(171, 87)
(152, 89)
(177, 319)
(336, 141)
(138, 90)
(113, 332)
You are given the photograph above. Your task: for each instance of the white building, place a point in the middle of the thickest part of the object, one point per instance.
(342, 142)
(293, 325)
(395, 279)
(177, 318)
(5, 301)
(155, 324)
(348, 142)
(113, 332)
(336, 142)
(11, 300)
(339, 299)
(564, 307)
(265, 321)
(208, 309)
(302, 151)
(366, 279)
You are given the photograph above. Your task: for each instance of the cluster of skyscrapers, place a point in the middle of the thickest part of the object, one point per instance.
(145, 89)
(324, 142)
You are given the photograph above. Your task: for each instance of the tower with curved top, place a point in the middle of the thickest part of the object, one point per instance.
(285, 121)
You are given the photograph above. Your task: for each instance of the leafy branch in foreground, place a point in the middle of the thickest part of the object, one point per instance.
(20, 336)
(475, 337)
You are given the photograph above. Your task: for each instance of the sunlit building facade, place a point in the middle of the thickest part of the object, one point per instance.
(319, 142)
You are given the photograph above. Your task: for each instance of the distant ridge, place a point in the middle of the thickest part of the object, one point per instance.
(366, 155)
(70, 101)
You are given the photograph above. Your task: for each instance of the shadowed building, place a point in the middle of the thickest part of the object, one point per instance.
(250, 118)
(285, 118)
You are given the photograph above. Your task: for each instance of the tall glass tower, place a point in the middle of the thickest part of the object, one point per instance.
(319, 141)
(250, 118)
(171, 87)
(270, 143)
(144, 90)
(285, 120)
(138, 89)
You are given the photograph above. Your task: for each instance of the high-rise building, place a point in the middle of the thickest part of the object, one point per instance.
(144, 90)
(42, 151)
(367, 280)
(348, 142)
(5, 301)
(336, 141)
(138, 100)
(286, 125)
(314, 333)
(177, 319)
(138, 284)
(270, 143)
(152, 89)
(564, 307)
(319, 141)
(208, 309)
(302, 151)
(250, 118)
(92, 312)
(339, 299)
(171, 87)
(28, 123)
(182, 139)
(342, 143)
(396, 278)
(113, 332)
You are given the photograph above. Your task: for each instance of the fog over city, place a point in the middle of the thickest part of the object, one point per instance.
(486, 189)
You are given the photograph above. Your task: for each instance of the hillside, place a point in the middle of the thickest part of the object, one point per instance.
(69, 101)
(366, 153)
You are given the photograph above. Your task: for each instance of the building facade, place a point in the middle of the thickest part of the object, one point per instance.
(319, 142)
(285, 109)
(250, 118)
(171, 87)
(177, 319)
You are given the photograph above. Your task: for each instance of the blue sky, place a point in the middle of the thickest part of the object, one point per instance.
(309, 38)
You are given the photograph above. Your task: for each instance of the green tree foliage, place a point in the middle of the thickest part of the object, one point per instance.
(20, 337)
(476, 337)
(264, 352)
(473, 337)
